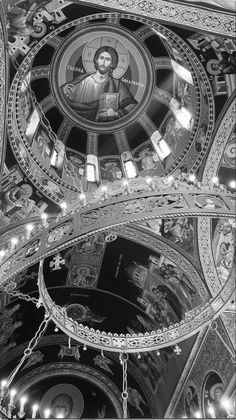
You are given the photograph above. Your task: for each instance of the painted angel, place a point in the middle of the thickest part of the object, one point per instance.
(103, 362)
(135, 399)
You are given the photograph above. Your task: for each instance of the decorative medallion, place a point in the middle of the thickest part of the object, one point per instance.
(102, 77)
(64, 401)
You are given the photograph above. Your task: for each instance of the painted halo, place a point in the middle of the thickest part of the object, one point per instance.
(211, 69)
(66, 389)
(213, 388)
(76, 311)
(95, 43)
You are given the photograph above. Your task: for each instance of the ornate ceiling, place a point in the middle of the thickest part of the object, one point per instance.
(117, 208)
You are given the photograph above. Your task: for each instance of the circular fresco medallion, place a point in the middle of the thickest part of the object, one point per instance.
(64, 401)
(100, 76)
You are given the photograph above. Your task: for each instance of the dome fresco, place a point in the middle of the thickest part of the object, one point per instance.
(117, 209)
(157, 126)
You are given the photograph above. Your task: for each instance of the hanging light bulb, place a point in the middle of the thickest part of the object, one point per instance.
(232, 184)
(63, 208)
(3, 383)
(3, 389)
(12, 395)
(84, 347)
(29, 229)
(150, 183)
(215, 180)
(225, 403)
(192, 178)
(171, 180)
(14, 242)
(2, 254)
(22, 404)
(82, 199)
(35, 408)
(105, 192)
(47, 413)
(126, 187)
(211, 411)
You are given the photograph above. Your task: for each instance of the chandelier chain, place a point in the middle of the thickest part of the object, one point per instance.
(123, 360)
(32, 344)
(21, 295)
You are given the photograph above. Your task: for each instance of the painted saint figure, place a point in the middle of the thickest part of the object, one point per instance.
(99, 96)
(217, 409)
(61, 406)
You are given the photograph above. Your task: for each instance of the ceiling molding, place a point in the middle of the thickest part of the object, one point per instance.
(226, 125)
(185, 15)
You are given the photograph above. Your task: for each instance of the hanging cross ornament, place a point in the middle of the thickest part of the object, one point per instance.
(123, 360)
(57, 262)
(177, 350)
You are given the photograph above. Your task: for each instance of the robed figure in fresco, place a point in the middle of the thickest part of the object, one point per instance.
(99, 96)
